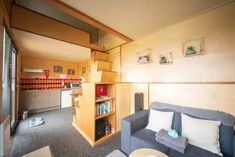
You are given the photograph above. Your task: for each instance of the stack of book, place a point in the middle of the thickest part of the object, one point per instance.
(103, 108)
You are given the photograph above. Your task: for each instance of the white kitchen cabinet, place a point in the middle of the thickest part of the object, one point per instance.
(33, 100)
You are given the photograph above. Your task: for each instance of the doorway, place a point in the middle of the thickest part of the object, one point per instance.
(9, 78)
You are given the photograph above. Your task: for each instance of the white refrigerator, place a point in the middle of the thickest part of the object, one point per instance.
(66, 99)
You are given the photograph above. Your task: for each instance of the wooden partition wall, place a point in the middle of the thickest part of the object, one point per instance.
(214, 96)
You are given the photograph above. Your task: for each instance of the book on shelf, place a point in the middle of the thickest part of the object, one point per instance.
(103, 108)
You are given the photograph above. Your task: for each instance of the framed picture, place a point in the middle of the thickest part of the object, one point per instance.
(143, 59)
(166, 58)
(71, 72)
(193, 47)
(58, 69)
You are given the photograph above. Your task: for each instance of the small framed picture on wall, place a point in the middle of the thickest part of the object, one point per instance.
(193, 47)
(58, 69)
(71, 72)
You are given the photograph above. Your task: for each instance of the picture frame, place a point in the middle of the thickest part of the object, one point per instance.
(71, 72)
(165, 58)
(193, 47)
(58, 69)
(144, 57)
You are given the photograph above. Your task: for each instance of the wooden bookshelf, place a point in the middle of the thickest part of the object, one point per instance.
(85, 120)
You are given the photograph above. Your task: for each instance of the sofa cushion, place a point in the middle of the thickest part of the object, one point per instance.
(193, 151)
(156, 122)
(144, 138)
(201, 133)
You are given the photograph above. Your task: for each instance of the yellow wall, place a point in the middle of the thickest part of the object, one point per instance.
(84, 65)
(217, 65)
(34, 62)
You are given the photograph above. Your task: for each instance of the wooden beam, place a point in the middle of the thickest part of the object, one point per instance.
(33, 22)
(83, 17)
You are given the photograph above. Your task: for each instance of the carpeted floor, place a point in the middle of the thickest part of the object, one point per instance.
(59, 133)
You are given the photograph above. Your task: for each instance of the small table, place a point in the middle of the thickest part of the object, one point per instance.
(145, 152)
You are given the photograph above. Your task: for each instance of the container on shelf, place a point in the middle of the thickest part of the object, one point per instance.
(25, 115)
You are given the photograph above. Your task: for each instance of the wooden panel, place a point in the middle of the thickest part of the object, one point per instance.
(138, 87)
(81, 16)
(207, 96)
(115, 58)
(122, 102)
(104, 66)
(103, 76)
(43, 25)
(99, 56)
(86, 120)
(108, 76)
(5, 131)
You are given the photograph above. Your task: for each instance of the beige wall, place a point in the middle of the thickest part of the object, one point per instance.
(207, 96)
(139, 88)
(34, 62)
(217, 27)
(161, 82)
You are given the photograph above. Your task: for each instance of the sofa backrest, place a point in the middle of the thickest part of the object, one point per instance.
(226, 127)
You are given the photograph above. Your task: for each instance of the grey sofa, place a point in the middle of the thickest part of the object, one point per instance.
(135, 136)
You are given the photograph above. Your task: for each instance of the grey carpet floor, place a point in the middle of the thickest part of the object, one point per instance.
(59, 133)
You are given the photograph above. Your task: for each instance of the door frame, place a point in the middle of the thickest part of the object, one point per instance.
(13, 45)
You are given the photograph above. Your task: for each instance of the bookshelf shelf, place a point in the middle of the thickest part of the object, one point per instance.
(104, 115)
(105, 99)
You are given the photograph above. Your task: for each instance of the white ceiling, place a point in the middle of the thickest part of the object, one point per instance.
(43, 47)
(137, 18)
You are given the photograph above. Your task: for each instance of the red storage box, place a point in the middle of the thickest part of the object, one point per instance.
(101, 90)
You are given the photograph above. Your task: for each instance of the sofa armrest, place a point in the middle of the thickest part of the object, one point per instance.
(129, 125)
(234, 144)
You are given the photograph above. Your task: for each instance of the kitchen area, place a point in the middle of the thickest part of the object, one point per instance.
(51, 85)
(43, 94)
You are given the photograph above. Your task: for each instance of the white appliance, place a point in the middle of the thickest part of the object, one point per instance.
(66, 99)
(31, 70)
